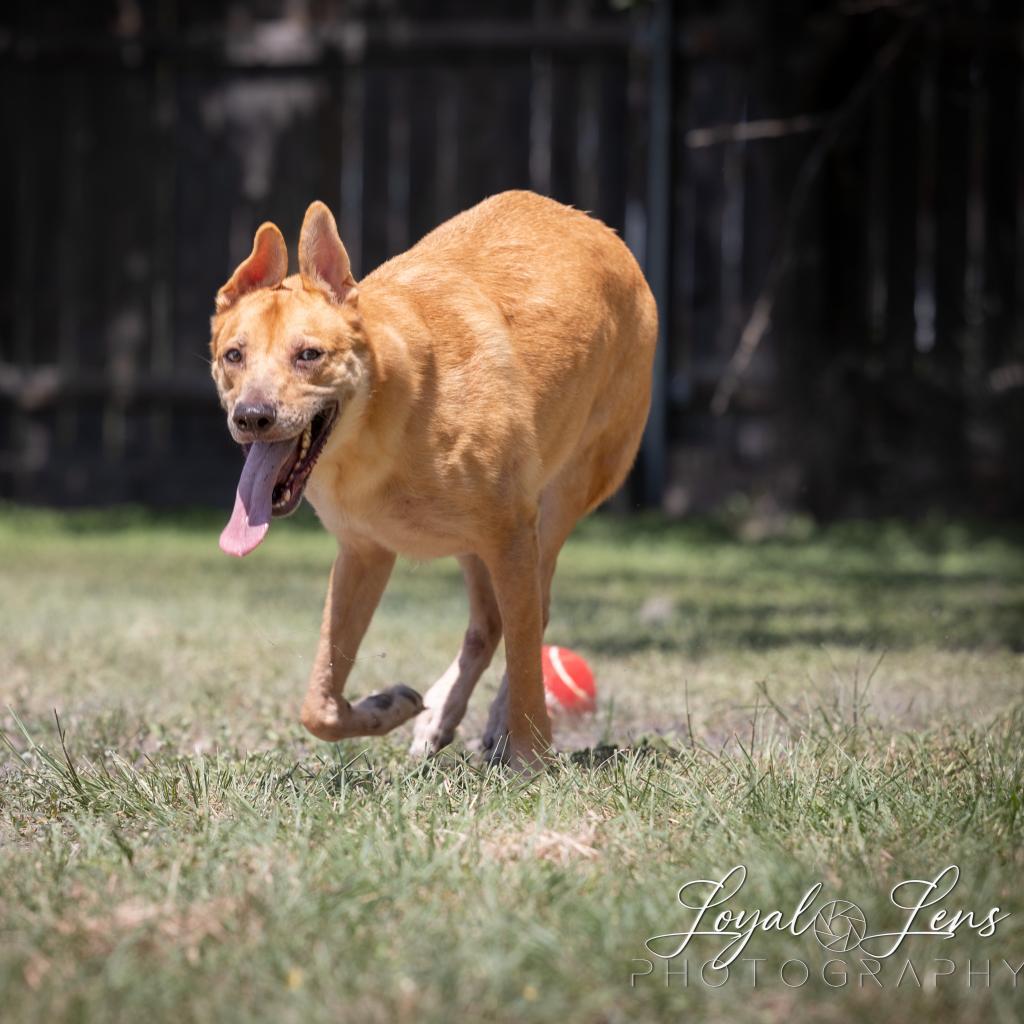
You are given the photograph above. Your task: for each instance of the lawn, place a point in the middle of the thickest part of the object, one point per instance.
(841, 705)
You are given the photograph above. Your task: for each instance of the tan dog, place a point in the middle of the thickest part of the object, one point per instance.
(474, 397)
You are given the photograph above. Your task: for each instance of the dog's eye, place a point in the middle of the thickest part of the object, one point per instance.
(233, 355)
(309, 355)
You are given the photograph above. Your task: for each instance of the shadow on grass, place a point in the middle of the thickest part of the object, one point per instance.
(717, 592)
(930, 534)
(613, 626)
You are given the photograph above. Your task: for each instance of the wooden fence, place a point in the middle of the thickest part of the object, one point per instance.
(829, 203)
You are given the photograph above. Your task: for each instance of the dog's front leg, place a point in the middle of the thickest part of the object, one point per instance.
(515, 571)
(358, 578)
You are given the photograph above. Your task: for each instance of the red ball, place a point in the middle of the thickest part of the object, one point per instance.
(568, 681)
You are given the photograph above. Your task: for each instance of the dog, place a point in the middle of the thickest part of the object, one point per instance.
(473, 397)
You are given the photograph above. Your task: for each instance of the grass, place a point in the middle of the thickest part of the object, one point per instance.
(840, 705)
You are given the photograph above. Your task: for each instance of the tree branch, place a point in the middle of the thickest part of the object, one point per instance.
(761, 312)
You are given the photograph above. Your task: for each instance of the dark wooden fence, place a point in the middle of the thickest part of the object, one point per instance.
(828, 199)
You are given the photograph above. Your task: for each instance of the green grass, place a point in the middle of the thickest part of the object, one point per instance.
(842, 705)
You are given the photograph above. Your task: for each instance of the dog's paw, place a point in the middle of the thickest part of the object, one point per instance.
(334, 718)
(495, 743)
(434, 730)
(528, 757)
(526, 760)
(495, 748)
(384, 711)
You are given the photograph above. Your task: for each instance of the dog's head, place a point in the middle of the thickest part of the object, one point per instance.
(291, 363)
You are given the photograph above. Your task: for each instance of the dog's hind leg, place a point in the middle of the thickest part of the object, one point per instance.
(358, 578)
(445, 702)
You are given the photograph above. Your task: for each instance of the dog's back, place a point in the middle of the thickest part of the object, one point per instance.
(536, 319)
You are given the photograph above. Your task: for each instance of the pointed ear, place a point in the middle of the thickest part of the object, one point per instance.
(323, 261)
(265, 267)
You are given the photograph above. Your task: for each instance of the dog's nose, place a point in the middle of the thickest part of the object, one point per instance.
(254, 417)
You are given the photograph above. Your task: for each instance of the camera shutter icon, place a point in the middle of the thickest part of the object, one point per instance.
(840, 926)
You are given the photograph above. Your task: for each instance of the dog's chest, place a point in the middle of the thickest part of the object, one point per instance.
(418, 527)
(425, 534)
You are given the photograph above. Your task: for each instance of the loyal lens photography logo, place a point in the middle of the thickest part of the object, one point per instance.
(726, 930)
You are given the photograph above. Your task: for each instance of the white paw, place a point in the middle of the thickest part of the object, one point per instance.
(434, 730)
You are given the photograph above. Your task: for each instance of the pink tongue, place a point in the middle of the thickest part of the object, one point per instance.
(250, 518)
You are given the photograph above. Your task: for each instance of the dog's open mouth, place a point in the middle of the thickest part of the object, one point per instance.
(272, 482)
(291, 481)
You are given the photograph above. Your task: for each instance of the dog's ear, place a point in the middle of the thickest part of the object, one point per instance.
(264, 267)
(323, 262)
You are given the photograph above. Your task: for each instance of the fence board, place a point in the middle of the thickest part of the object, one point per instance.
(892, 372)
